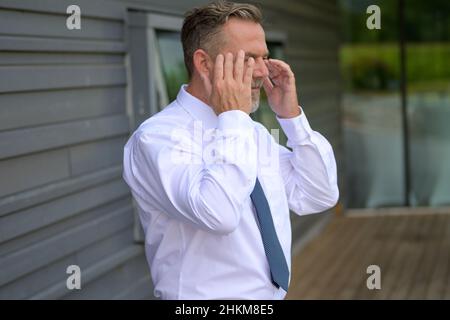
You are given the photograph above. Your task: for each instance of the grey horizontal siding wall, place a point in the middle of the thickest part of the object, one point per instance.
(63, 123)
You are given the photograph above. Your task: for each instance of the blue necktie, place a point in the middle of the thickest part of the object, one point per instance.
(277, 262)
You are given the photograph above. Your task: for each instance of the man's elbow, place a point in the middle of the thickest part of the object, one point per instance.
(326, 201)
(221, 219)
(332, 198)
(226, 227)
(223, 224)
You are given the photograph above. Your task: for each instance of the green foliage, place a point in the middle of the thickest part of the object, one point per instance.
(175, 77)
(377, 66)
(424, 21)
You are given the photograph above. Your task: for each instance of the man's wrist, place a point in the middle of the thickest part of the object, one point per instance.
(292, 114)
(234, 119)
(296, 129)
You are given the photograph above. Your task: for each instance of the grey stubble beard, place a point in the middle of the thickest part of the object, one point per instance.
(255, 102)
(256, 95)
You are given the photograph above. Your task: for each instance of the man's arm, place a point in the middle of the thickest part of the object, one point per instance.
(170, 174)
(309, 171)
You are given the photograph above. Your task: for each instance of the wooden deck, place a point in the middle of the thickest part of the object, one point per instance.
(412, 251)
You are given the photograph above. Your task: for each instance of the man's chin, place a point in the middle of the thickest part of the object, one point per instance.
(255, 102)
(255, 107)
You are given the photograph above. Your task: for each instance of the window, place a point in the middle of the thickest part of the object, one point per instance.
(156, 59)
(172, 62)
(396, 104)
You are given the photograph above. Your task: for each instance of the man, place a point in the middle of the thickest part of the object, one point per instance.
(213, 188)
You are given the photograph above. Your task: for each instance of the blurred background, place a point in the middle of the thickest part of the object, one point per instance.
(69, 99)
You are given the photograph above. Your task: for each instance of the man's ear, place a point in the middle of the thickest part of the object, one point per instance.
(202, 62)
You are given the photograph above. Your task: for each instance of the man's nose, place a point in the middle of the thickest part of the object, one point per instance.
(260, 70)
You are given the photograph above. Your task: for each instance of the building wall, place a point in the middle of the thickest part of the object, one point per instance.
(64, 118)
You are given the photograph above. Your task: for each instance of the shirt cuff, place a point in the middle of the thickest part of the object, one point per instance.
(234, 119)
(297, 129)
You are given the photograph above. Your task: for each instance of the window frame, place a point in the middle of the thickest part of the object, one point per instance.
(146, 89)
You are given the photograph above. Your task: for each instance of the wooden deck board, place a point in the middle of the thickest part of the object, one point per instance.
(387, 248)
(312, 253)
(373, 247)
(323, 275)
(446, 248)
(315, 272)
(349, 269)
(348, 254)
(413, 252)
(436, 285)
(392, 270)
(428, 259)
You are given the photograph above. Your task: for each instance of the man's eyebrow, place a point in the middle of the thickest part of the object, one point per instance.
(254, 56)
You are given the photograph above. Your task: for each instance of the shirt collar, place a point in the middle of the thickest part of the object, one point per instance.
(197, 108)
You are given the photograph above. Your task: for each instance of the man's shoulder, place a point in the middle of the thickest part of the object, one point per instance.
(260, 128)
(171, 117)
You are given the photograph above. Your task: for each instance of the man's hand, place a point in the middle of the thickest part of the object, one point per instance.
(231, 86)
(280, 89)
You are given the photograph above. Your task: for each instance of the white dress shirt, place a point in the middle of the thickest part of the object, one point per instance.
(191, 173)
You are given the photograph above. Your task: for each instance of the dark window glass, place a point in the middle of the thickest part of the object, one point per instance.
(378, 171)
(371, 105)
(171, 55)
(428, 100)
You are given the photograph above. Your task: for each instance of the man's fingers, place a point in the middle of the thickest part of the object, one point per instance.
(206, 81)
(239, 66)
(228, 67)
(267, 84)
(249, 72)
(281, 66)
(280, 72)
(273, 70)
(218, 68)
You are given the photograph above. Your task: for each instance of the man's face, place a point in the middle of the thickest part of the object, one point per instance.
(249, 36)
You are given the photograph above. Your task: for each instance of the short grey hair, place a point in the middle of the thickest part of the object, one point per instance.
(201, 26)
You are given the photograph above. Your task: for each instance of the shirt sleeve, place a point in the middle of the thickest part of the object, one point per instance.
(309, 170)
(172, 173)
